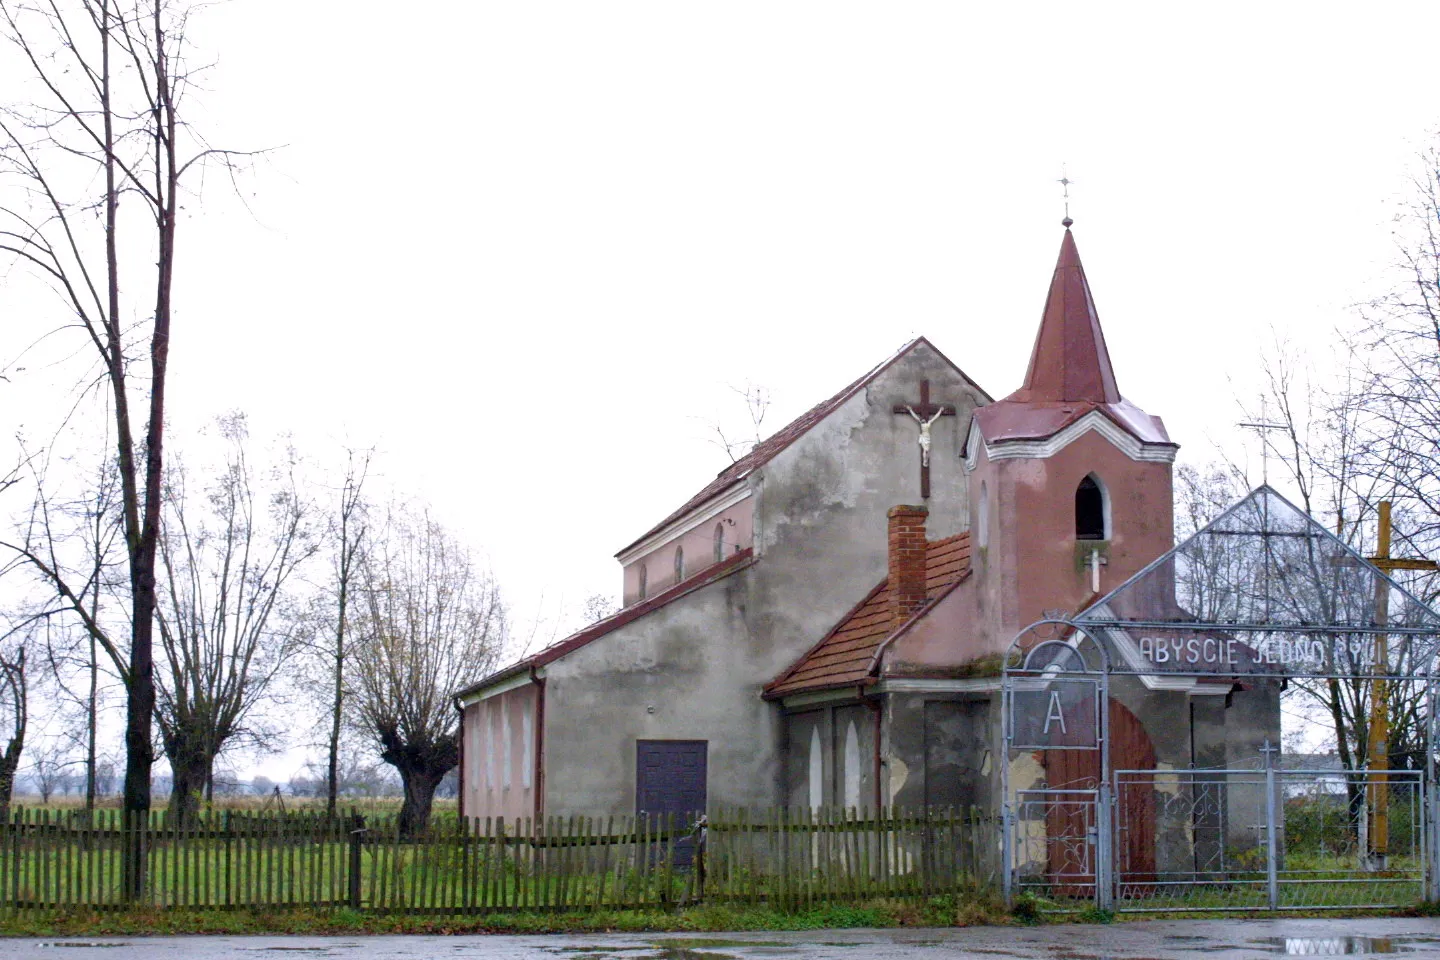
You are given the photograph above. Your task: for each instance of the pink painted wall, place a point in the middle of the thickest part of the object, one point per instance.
(699, 547)
(501, 782)
(1029, 565)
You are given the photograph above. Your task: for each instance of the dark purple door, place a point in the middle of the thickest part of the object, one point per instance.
(670, 780)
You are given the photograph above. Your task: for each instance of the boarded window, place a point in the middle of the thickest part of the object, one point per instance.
(643, 578)
(982, 519)
(527, 756)
(852, 766)
(679, 564)
(817, 769)
(489, 748)
(1089, 510)
(504, 744)
(719, 542)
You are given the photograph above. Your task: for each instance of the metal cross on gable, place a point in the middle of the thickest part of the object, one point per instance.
(925, 414)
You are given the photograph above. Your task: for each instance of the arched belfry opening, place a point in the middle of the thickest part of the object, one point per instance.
(1091, 510)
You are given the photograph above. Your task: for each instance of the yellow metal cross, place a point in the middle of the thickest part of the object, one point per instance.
(1378, 746)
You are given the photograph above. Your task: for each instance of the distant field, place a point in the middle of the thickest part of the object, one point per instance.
(346, 804)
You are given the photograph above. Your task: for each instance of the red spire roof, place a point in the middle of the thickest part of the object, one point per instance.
(1070, 373)
(1070, 362)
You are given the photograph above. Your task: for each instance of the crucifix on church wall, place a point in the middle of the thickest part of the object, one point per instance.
(925, 414)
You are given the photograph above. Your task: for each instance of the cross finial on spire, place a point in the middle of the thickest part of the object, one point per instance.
(1065, 182)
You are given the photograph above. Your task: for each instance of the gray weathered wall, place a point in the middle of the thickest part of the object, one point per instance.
(702, 660)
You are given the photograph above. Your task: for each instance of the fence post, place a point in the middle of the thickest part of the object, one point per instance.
(1272, 881)
(702, 827)
(1432, 839)
(357, 836)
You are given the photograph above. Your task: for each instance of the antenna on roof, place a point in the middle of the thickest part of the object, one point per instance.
(1065, 182)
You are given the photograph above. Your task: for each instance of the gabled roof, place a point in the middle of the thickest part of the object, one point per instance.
(598, 629)
(1070, 373)
(846, 657)
(772, 446)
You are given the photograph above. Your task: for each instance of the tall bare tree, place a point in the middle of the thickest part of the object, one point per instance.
(14, 709)
(432, 620)
(1399, 352)
(109, 79)
(229, 560)
(330, 636)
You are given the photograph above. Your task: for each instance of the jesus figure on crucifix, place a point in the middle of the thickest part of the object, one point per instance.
(925, 414)
(925, 432)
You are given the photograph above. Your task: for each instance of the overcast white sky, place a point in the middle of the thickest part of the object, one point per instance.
(524, 247)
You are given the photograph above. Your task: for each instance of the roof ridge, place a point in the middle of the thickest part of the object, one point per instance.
(767, 449)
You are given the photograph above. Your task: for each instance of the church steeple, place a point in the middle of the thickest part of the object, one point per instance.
(1070, 362)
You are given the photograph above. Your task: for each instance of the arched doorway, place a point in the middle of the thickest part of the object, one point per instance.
(1072, 826)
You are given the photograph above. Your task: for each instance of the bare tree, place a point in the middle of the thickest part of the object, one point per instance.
(14, 708)
(48, 763)
(432, 619)
(738, 442)
(110, 78)
(346, 540)
(1339, 457)
(597, 607)
(229, 559)
(1398, 352)
(72, 538)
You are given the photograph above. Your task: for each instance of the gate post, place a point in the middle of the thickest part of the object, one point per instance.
(1431, 819)
(1104, 847)
(1272, 880)
(1007, 880)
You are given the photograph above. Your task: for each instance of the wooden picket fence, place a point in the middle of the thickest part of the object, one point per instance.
(789, 859)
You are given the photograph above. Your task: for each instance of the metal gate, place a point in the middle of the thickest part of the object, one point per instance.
(1269, 839)
(1057, 849)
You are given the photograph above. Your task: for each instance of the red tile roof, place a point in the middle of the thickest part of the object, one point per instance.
(846, 656)
(769, 448)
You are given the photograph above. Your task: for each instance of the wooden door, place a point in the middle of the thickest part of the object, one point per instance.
(1068, 819)
(670, 784)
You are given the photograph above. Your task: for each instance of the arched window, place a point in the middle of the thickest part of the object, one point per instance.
(719, 542)
(817, 769)
(644, 578)
(679, 564)
(1091, 510)
(982, 519)
(852, 767)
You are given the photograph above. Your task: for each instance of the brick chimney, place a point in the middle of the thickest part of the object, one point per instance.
(907, 562)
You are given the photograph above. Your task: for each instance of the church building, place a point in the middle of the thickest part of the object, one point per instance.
(825, 621)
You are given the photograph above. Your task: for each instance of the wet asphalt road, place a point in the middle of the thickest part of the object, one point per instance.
(1155, 940)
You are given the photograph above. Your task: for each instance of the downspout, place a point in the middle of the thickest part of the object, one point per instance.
(460, 707)
(539, 734)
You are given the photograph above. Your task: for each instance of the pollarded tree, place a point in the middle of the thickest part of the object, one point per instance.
(229, 560)
(432, 618)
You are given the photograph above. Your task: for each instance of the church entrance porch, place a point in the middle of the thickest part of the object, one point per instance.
(1185, 792)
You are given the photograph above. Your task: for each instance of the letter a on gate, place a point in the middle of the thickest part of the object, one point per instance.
(1054, 713)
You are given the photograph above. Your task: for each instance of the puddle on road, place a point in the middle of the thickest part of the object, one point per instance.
(663, 950)
(1335, 946)
(80, 943)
